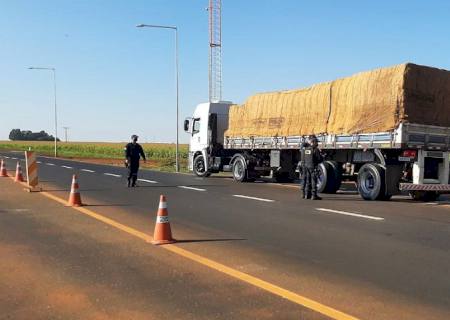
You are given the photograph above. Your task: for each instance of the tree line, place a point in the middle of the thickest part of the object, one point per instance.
(27, 135)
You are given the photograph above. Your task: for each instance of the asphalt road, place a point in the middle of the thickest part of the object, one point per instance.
(371, 260)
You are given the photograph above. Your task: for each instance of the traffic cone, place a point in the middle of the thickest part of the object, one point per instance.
(163, 233)
(3, 172)
(75, 198)
(19, 176)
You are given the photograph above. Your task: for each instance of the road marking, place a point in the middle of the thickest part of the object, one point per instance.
(66, 167)
(191, 188)
(257, 282)
(38, 162)
(149, 181)
(113, 175)
(87, 170)
(49, 164)
(351, 214)
(6, 157)
(252, 198)
(14, 158)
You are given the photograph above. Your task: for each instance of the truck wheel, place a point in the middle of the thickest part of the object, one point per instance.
(424, 195)
(330, 177)
(199, 167)
(371, 182)
(239, 170)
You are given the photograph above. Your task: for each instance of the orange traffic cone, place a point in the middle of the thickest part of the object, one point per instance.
(19, 176)
(3, 172)
(163, 234)
(75, 198)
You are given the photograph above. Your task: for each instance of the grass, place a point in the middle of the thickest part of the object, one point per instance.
(161, 155)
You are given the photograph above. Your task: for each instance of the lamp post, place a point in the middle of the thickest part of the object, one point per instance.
(56, 114)
(177, 164)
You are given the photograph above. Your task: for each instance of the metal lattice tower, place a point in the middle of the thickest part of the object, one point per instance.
(215, 50)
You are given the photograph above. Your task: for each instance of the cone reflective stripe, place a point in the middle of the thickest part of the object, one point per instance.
(19, 176)
(3, 172)
(163, 233)
(75, 197)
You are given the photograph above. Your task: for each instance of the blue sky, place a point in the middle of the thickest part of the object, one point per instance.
(114, 79)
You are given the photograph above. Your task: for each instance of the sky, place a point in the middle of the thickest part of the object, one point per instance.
(114, 80)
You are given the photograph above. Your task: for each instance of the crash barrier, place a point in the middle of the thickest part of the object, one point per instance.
(19, 176)
(32, 171)
(163, 233)
(75, 197)
(3, 172)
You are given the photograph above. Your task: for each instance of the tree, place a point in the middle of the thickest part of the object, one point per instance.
(27, 135)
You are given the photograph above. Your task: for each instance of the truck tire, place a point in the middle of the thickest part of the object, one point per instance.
(372, 182)
(239, 170)
(330, 177)
(199, 167)
(425, 196)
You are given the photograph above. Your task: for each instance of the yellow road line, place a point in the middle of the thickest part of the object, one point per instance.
(274, 289)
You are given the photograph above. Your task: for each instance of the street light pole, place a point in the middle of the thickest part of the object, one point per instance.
(56, 113)
(177, 164)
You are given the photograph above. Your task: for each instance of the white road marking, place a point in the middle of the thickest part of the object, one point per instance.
(6, 157)
(191, 188)
(14, 158)
(351, 214)
(66, 167)
(87, 170)
(113, 175)
(38, 162)
(49, 164)
(149, 181)
(252, 198)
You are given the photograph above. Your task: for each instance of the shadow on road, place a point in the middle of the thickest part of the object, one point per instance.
(207, 240)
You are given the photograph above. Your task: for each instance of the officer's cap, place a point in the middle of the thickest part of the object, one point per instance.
(134, 137)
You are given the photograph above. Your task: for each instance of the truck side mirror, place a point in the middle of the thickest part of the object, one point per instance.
(186, 125)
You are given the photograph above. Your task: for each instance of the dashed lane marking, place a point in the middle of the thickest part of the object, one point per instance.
(113, 175)
(87, 170)
(252, 198)
(191, 188)
(38, 162)
(50, 164)
(358, 215)
(67, 167)
(149, 181)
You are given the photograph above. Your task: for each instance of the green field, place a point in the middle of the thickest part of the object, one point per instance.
(161, 155)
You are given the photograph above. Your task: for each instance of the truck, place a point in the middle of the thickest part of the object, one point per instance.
(387, 130)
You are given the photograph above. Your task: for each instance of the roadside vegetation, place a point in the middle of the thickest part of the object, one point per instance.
(161, 156)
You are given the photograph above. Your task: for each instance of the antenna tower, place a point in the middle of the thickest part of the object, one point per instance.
(215, 50)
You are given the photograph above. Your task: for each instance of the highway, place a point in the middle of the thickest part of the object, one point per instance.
(367, 260)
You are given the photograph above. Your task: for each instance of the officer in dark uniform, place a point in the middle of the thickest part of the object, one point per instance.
(133, 152)
(301, 168)
(311, 160)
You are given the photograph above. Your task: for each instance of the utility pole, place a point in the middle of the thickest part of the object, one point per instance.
(65, 132)
(215, 50)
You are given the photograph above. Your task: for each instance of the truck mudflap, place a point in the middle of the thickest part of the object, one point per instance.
(424, 187)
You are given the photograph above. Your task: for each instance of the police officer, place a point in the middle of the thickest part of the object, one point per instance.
(311, 158)
(133, 152)
(301, 168)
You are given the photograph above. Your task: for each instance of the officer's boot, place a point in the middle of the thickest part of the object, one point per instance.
(134, 181)
(129, 183)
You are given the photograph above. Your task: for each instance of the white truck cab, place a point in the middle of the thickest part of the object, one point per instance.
(206, 128)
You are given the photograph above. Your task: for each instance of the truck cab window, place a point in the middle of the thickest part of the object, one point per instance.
(196, 126)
